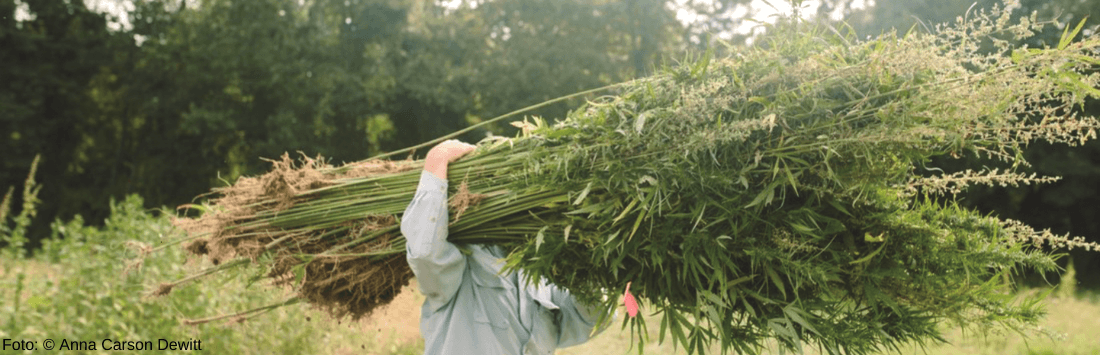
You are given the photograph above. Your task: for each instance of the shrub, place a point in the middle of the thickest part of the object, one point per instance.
(87, 284)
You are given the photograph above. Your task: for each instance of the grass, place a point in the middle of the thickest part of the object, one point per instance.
(1075, 318)
(293, 329)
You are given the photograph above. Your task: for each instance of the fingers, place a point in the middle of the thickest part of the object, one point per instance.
(451, 150)
(458, 144)
(459, 147)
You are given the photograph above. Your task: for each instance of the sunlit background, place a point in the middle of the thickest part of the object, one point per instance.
(688, 12)
(135, 105)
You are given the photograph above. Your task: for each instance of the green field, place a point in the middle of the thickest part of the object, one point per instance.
(79, 287)
(1075, 319)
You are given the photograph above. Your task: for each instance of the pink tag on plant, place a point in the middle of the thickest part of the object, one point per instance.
(630, 303)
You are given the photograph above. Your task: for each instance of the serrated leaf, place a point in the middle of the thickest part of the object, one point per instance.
(678, 332)
(626, 210)
(712, 314)
(763, 196)
(776, 280)
(637, 223)
(584, 193)
(869, 256)
(540, 237)
(793, 314)
(1067, 37)
(791, 177)
(748, 307)
(801, 228)
(737, 281)
(836, 204)
(611, 238)
(713, 298)
(782, 328)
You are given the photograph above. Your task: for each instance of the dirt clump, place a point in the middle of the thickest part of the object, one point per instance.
(347, 270)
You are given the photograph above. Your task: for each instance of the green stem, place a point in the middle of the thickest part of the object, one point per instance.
(501, 117)
(242, 316)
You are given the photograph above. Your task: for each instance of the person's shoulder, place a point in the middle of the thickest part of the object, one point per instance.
(491, 250)
(489, 257)
(481, 251)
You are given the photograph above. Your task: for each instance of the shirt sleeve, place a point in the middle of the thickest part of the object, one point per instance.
(437, 263)
(577, 321)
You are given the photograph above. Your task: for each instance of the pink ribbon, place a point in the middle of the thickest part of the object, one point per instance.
(630, 303)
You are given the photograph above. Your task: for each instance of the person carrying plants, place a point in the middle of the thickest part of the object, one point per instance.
(470, 307)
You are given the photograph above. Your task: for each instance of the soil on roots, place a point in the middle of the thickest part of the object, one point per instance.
(349, 282)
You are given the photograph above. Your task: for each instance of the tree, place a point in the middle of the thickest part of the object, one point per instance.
(517, 53)
(195, 93)
(46, 68)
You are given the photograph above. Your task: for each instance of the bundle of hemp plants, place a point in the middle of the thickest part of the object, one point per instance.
(783, 193)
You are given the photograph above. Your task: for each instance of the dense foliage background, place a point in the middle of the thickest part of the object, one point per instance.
(186, 95)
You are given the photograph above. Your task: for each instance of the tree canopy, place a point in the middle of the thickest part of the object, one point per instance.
(192, 94)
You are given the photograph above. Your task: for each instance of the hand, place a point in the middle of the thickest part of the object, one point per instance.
(444, 153)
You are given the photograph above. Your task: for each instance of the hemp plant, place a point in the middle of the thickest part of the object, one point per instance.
(783, 193)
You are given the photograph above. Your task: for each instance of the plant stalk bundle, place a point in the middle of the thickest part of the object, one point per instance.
(785, 193)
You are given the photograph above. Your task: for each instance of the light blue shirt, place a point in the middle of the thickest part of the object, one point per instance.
(470, 307)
